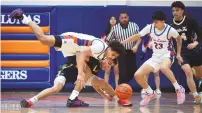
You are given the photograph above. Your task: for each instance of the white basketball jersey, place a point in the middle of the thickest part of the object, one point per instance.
(73, 42)
(161, 40)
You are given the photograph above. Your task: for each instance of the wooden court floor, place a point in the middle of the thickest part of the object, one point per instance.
(166, 103)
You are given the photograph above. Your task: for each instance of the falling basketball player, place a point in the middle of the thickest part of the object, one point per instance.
(191, 50)
(162, 57)
(70, 44)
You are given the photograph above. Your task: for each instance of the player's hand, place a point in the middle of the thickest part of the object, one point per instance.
(134, 49)
(180, 60)
(150, 46)
(80, 80)
(108, 97)
(192, 45)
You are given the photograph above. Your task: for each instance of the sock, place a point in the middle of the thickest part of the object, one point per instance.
(73, 95)
(26, 20)
(149, 90)
(33, 99)
(176, 85)
(116, 98)
(195, 94)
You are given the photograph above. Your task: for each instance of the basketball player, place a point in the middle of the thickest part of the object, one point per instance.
(70, 44)
(147, 45)
(162, 56)
(73, 43)
(191, 51)
(68, 74)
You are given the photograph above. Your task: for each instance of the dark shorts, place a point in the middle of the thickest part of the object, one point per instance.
(193, 59)
(69, 71)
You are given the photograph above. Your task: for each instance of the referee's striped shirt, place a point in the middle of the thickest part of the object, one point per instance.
(120, 34)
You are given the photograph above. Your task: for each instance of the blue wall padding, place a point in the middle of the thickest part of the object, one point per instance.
(24, 56)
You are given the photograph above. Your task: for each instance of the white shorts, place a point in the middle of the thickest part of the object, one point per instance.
(62, 80)
(156, 60)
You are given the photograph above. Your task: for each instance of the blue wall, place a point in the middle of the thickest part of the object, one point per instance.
(93, 20)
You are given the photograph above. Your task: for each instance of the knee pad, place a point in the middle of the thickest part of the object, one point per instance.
(60, 79)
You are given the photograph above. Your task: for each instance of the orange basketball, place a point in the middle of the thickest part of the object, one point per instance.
(124, 91)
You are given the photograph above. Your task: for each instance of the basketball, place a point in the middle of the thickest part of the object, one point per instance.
(124, 91)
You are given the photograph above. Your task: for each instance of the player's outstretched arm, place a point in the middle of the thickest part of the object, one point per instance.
(101, 92)
(137, 37)
(45, 39)
(81, 64)
(132, 38)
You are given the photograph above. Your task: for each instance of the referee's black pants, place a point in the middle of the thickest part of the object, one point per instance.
(127, 66)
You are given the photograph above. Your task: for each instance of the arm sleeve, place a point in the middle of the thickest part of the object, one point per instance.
(58, 41)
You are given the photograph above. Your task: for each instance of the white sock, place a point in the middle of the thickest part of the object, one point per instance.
(149, 90)
(176, 85)
(73, 95)
(26, 20)
(195, 94)
(116, 98)
(33, 99)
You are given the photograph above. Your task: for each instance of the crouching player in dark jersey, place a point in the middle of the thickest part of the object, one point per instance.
(191, 51)
(68, 74)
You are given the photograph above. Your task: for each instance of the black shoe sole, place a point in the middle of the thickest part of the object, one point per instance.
(24, 103)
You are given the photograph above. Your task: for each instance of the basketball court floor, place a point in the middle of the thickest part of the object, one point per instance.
(166, 103)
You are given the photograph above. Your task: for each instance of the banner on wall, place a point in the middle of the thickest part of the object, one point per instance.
(42, 19)
(24, 75)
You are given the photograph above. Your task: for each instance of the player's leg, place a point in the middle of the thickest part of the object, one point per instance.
(141, 73)
(198, 71)
(73, 100)
(157, 82)
(165, 69)
(116, 74)
(190, 82)
(58, 85)
(143, 92)
(45, 39)
(192, 60)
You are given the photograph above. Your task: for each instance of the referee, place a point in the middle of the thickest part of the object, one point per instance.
(120, 32)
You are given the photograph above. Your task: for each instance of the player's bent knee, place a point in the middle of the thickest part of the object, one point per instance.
(60, 80)
(188, 73)
(187, 70)
(138, 74)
